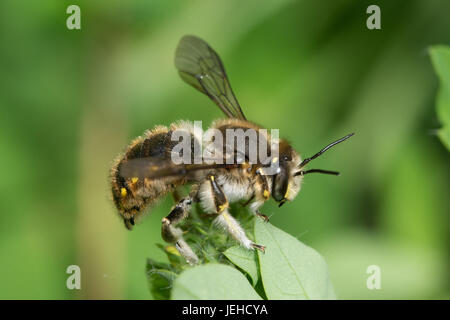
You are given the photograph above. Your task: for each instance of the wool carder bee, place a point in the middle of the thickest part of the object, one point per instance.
(146, 171)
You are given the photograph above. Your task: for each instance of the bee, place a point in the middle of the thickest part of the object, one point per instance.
(145, 173)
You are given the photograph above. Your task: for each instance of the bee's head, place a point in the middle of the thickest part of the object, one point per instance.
(286, 182)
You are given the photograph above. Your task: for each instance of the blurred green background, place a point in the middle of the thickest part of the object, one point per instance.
(72, 99)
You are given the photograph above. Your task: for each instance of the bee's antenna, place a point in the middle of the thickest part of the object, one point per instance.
(307, 160)
(302, 173)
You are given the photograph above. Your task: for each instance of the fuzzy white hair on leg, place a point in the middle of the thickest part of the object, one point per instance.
(185, 250)
(230, 225)
(206, 197)
(255, 205)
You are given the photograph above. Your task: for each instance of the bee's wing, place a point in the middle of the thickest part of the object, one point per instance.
(200, 66)
(157, 168)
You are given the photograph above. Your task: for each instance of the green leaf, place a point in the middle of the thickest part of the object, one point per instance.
(160, 279)
(440, 56)
(244, 259)
(290, 269)
(213, 282)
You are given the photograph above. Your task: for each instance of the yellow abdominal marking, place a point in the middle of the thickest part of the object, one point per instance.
(134, 180)
(123, 192)
(212, 178)
(266, 194)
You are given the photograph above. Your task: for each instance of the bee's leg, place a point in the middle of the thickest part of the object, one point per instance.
(262, 216)
(216, 202)
(230, 224)
(171, 234)
(262, 194)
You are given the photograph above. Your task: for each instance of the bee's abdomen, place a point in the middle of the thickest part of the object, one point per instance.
(132, 195)
(157, 145)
